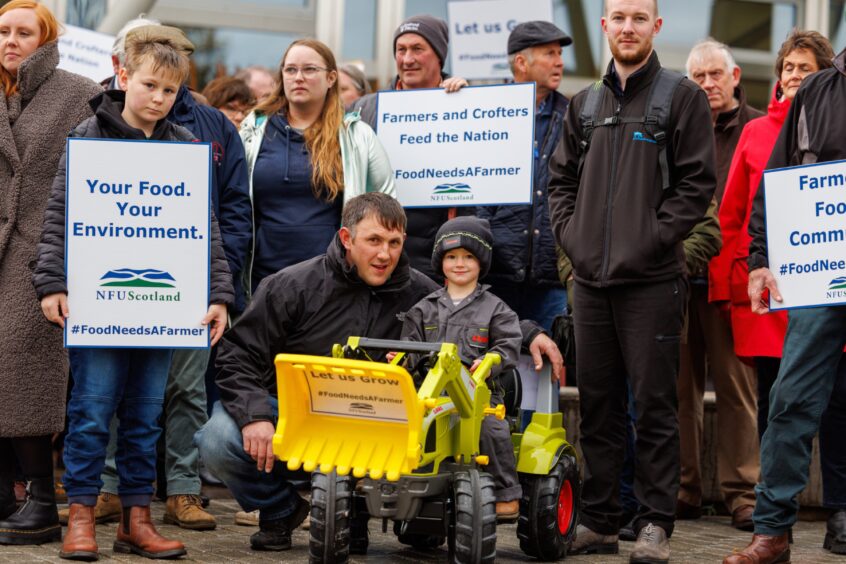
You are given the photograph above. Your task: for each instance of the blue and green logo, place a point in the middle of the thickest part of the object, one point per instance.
(456, 188)
(144, 278)
(838, 283)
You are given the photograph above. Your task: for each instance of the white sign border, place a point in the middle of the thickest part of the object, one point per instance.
(67, 240)
(531, 146)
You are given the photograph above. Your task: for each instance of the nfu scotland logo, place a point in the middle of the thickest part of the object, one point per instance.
(144, 283)
(837, 288)
(452, 192)
(147, 278)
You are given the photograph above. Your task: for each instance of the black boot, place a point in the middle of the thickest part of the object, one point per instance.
(37, 520)
(7, 496)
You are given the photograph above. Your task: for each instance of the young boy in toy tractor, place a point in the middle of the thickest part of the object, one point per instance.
(467, 314)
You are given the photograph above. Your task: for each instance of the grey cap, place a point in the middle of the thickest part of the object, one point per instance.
(529, 34)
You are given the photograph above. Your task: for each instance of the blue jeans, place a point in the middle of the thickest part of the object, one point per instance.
(222, 450)
(538, 303)
(806, 378)
(131, 384)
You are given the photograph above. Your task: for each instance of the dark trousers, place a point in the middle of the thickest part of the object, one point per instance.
(630, 330)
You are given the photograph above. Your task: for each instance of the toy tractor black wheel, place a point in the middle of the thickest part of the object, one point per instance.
(331, 503)
(472, 538)
(417, 540)
(549, 510)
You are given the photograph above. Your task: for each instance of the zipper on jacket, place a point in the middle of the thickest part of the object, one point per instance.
(603, 275)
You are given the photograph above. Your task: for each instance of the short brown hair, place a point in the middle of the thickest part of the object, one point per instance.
(226, 89)
(654, 4)
(386, 209)
(813, 41)
(161, 53)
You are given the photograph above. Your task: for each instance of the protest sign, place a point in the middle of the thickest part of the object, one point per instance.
(806, 238)
(137, 243)
(478, 34)
(469, 148)
(86, 52)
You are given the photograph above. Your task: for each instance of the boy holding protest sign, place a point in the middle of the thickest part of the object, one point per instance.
(129, 381)
(465, 313)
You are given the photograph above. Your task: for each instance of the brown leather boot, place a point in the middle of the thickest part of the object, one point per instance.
(764, 549)
(80, 542)
(136, 534)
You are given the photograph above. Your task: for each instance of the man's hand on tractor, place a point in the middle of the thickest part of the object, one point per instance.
(542, 346)
(258, 443)
(475, 365)
(759, 280)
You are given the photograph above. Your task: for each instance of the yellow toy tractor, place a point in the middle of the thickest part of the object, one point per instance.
(377, 446)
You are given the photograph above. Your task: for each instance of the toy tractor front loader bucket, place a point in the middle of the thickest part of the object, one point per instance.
(348, 415)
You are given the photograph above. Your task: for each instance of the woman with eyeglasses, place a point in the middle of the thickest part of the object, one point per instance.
(305, 158)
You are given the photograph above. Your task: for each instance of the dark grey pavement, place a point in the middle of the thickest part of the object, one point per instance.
(705, 540)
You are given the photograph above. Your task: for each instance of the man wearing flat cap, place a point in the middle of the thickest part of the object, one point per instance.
(524, 272)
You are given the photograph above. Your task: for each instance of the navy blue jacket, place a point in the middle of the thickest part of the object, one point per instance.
(230, 192)
(524, 246)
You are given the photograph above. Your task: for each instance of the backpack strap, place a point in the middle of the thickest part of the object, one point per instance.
(589, 118)
(656, 120)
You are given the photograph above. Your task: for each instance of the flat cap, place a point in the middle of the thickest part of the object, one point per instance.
(161, 34)
(529, 34)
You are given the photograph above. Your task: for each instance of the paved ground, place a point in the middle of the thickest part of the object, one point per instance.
(706, 540)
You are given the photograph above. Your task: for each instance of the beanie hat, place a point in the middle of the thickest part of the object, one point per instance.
(466, 232)
(433, 30)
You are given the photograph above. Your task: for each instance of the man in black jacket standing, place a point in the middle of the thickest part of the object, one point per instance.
(624, 193)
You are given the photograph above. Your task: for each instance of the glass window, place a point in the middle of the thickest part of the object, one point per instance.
(837, 18)
(437, 8)
(359, 31)
(225, 50)
(85, 13)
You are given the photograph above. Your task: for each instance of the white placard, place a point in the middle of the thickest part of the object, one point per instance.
(86, 52)
(137, 243)
(351, 395)
(478, 34)
(469, 148)
(806, 233)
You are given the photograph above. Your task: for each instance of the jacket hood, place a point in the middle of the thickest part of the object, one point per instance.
(731, 118)
(777, 109)
(37, 68)
(108, 105)
(336, 254)
(183, 107)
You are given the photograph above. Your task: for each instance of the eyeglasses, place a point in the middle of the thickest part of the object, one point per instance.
(309, 71)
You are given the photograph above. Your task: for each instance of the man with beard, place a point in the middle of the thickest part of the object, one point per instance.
(633, 174)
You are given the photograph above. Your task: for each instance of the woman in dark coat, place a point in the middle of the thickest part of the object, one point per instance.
(39, 105)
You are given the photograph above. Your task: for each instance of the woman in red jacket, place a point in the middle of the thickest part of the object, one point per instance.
(758, 339)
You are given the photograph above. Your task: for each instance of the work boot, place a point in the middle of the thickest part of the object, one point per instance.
(507, 511)
(835, 532)
(589, 542)
(652, 546)
(37, 520)
(80, 542)
(187, 512)
(276, 534)
(107, 510)
(627, 533)
(137, 535)
(764, 549)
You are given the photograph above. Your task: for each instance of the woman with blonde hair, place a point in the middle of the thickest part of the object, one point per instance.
(40, 105)
(305, 158)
